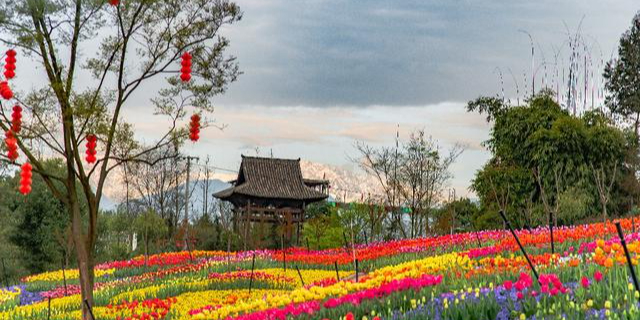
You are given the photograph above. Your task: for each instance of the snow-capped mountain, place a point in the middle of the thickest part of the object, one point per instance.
(346, 183)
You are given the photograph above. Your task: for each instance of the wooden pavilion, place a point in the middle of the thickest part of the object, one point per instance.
(272, 192)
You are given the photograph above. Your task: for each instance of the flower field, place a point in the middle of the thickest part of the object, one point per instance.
(479, 275)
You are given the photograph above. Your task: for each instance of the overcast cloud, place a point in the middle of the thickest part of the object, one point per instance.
(408, 52)
(322, 74)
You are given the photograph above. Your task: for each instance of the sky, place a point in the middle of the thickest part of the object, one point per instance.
(320, 75)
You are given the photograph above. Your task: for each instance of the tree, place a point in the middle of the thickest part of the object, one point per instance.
(424, 172)
(325, 230)
(622, 77)
(116, 235)
(383, 165)
(41, 218)
(541, 153)
(159, 186)
(150, 226)
(140, 41)
(506, 187)
(605, 158)
(462, 211)
(413, 176)
(573, 204)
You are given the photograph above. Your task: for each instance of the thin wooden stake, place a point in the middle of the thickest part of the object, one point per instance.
(284, 255)
(335, 263)
(346, 243)
(86, 302)
(357, 270)
(253, 264)
(533, 269)
(49, 309)
(189, 249)
(64, 279)
(553, 248)
(300, 274)
(626, 253)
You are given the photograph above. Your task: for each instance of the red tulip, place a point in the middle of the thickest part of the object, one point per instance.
(597, 276)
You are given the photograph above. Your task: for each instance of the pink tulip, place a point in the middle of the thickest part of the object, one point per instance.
(585, 282)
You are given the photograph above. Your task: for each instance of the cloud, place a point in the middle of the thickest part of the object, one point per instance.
(411, 52)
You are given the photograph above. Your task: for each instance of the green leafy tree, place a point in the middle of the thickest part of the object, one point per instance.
(207, 234)
(324, 231)
(149, 227)
(540, 151)
(116, 235)
(462, 211)
(622, 77)
(574, 204)
(607, 148)
(41, 217)
(506, 187)
(11, 254)
(139, 42)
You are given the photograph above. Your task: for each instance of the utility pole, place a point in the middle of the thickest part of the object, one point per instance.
(186, 198)
(452, 200)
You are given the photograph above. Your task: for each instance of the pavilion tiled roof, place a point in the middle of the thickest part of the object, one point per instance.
(271, 178)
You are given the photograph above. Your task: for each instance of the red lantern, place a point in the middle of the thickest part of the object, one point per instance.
(10, 64)
(25, 179)
(92, 143)
(185, 71)
(5, 91)
(16, 119)
(114, 2)
(12, 146)
(194, 128)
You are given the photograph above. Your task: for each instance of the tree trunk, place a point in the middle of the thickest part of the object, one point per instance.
(85, 259)
(636, 124)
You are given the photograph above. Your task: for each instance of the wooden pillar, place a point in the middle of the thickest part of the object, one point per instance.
(262, 214)
(298, 231)
(302, 212)
(246, 224)
(234, 219)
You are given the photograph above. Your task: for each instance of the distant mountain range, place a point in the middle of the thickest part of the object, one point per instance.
(346, 184)
(196, 190)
